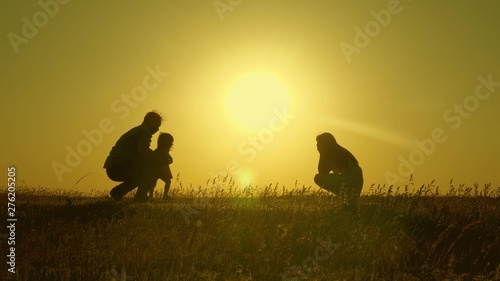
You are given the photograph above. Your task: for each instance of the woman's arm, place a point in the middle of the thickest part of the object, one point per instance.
(324, 166)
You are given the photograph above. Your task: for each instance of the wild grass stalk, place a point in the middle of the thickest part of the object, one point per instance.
(260, 233)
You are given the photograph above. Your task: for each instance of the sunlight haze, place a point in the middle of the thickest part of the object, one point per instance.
(409, 87)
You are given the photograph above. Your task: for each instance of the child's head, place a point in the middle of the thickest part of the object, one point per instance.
(165, 140)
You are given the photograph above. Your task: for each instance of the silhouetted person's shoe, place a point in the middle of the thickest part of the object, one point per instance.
(167, 198)
(115, 196)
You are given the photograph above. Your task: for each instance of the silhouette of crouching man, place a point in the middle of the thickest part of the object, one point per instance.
(132, 162)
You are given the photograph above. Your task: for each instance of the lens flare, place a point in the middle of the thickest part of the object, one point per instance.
(245, 178)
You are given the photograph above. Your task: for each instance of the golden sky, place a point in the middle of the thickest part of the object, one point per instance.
(245, 87)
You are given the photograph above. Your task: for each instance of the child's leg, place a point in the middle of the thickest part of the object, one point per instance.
(148, 180)
(167, 188)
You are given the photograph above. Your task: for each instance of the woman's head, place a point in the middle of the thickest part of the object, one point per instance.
(325, 142)
(328, 147)
(165, 140)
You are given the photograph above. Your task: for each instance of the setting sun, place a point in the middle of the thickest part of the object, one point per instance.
(251, 100)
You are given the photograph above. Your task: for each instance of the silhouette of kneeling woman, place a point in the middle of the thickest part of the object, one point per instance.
(338, 169)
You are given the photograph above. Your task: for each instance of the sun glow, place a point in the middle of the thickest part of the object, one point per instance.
(252, 99)
(245, 178)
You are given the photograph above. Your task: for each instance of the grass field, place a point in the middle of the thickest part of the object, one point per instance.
(269, 234)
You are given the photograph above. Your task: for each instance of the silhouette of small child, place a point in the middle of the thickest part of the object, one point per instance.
(162, 154)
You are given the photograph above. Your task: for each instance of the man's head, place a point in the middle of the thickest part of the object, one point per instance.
(153, 120)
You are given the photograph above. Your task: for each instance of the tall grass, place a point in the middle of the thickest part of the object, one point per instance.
(221, 232)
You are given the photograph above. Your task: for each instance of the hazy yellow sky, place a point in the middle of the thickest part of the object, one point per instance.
(245, 87)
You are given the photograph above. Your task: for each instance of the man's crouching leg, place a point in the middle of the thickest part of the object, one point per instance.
(147, 183)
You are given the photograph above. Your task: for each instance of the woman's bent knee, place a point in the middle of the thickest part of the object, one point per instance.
(319, 180)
